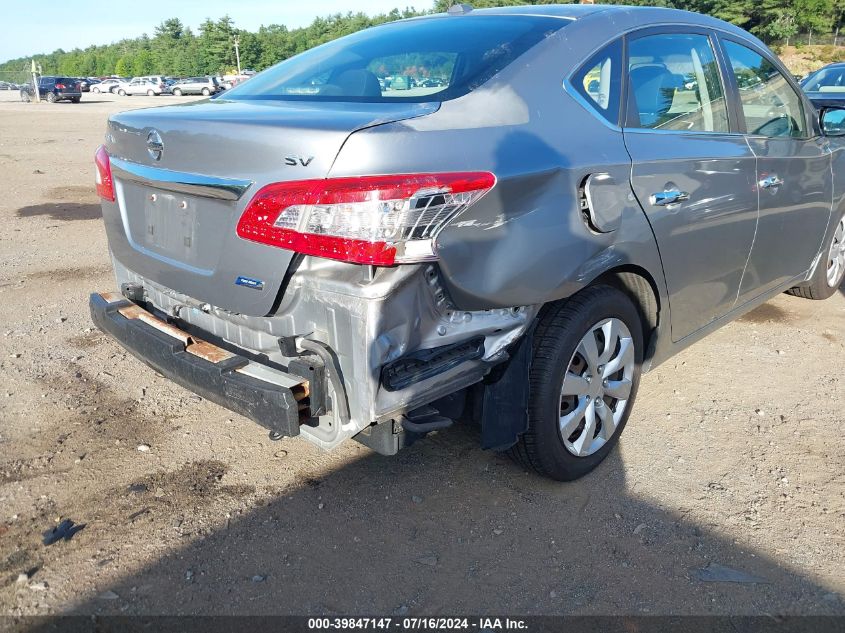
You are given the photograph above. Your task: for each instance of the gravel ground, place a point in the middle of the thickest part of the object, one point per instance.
(733, 458)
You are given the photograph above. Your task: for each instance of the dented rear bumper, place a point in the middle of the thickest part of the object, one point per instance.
(275, 400)
(390, 339)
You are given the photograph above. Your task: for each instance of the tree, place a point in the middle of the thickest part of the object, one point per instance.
(170, 30)
(123, 67)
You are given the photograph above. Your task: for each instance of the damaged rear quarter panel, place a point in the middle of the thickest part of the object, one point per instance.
(526, 242)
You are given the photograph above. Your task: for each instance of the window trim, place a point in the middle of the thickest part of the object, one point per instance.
(631, 116)
(809, 121)
(571, 83)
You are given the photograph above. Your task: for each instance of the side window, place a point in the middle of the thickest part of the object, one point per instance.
(770, 105)
(675, 84)
(598, 81)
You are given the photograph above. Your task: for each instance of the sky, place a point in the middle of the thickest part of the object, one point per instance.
(42, 26)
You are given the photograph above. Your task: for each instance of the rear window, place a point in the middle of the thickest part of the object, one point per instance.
(433, 59)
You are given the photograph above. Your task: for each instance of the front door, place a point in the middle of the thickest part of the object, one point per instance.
(793, 172)
(692, 172)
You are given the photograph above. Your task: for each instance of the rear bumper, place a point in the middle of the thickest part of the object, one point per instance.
(274, 401)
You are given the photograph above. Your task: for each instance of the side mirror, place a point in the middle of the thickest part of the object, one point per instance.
(832, 121)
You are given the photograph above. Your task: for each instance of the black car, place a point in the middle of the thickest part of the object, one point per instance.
(826, 86)
(54, 89)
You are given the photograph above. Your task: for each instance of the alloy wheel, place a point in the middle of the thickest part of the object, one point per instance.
(596, 387)
(836, 256)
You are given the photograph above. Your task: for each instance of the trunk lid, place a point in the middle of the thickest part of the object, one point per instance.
(184, 174)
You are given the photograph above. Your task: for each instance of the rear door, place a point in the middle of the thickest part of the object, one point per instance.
(793, 169)
(692, 171)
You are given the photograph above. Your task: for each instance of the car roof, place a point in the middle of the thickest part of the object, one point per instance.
(570, 11)
(627, 16)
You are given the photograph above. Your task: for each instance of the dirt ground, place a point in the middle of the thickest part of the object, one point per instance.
(734, 457)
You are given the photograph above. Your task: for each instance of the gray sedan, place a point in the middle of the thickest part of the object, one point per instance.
(501, 216)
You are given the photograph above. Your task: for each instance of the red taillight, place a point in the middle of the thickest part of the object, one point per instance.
(105, 184)
(379, 220)
(60, 86)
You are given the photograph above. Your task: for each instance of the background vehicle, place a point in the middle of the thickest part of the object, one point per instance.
(156, 79)
(139, 86)
(195, 85)
(54, 89)
(418, 256)
(826, 84)
(107, 85)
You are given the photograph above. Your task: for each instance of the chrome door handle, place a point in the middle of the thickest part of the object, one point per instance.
(665, 198)
(771, 181)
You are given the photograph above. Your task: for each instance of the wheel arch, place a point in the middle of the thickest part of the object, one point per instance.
(640, 286)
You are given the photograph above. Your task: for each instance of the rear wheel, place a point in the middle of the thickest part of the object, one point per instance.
(151, 93)
(583, 381)
(177, 92)
(95, 90)
(51, 97)
(830, 271)
(205, 92)
(121, 92)
(76, 99)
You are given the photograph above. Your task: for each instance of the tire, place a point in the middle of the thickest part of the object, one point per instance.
(151, 93)
(830, 271)
(559, 343)
(25, 97)
(95, 90)
(177, 93)
(121, 92)
(76, 99)
(205, 92)
(51, 97)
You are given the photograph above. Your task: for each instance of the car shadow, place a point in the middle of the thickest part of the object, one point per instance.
(442, 528)
(64, 211)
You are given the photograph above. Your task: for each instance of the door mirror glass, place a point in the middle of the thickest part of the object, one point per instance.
(833, 121)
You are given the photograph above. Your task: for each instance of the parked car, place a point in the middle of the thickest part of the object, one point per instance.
(139, 86)
(826, 84)
(106, 86)
(7, 85)
(156, 79)
(195, 85)
(335, 260)
(84, 84)
(53, 89)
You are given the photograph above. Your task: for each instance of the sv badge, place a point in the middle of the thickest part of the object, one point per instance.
(294, 161)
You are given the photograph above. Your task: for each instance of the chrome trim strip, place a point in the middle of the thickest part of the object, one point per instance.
(168, 180)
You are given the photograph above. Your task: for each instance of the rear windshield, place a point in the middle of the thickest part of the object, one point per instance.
(433, 59)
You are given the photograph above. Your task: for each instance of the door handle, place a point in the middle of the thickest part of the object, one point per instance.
(665, 198)
(770, 182)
